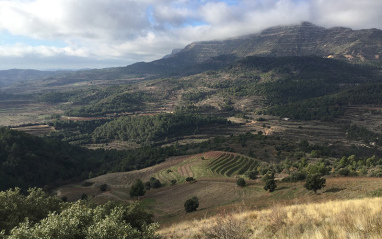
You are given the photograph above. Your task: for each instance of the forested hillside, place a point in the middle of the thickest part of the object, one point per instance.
(147, 129)
(29, 161)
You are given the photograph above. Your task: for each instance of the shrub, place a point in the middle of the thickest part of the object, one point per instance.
(270, 185)
(155, 183)
(137, 189)
(80, 221)
(84, 196)
(103, 187)
(315, 182)
(191, 204)
(190, 179)
(252, 174)
(147, 185)
(268, 176)
(240, 182)
(377, 173)
(173, 182)
(344, 172)
(295, 177)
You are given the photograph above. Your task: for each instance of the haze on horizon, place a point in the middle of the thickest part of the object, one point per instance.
(71, 34)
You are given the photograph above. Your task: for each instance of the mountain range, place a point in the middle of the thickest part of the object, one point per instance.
(305, 39)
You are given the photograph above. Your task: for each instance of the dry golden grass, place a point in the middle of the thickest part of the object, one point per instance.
(359, 218)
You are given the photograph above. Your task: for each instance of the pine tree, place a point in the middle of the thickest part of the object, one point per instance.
(315, 182)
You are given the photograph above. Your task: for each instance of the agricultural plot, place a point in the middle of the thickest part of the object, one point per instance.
(16, 113)
(232, 164)
(207, 165)
(195, 166)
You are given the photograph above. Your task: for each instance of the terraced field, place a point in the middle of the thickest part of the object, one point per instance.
(207, 165)
(229, 165)
(214, 167)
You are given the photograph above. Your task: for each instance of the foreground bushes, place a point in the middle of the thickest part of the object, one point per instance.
(41, 216)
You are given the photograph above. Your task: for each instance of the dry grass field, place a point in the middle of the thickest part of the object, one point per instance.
(38, 130)
(15, 113)
(357, 218)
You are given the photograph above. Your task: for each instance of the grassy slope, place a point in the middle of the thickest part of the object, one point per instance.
(358, 218)
(217, 192)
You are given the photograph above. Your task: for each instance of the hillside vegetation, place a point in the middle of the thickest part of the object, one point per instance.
(360, 218)
(252, 122)
(151, 128)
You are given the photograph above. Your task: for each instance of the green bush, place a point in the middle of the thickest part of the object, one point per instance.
(190, 179)
(252, 174)
(267, 176)
(80, 221)
(240, 182)
(155, 183)
(295, 177)
(137, 189)
(270, 185)
(191, 204)
(315, 182)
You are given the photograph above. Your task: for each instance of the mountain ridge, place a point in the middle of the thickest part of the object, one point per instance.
(296, 40)
(305, 39)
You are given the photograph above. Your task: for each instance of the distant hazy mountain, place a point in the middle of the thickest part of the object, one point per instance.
(8, 77)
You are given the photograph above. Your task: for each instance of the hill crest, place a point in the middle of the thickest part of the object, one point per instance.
(297, 40)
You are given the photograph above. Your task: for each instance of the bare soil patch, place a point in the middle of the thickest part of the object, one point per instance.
(38, 130)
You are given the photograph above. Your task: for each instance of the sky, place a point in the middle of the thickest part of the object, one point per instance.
(78, 34)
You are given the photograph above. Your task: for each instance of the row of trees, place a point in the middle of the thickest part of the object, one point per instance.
(313, 182)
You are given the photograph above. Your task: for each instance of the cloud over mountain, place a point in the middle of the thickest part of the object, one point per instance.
(120, 32)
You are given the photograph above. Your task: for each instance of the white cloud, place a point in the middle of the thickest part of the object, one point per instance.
(349, 13)
(126, 31)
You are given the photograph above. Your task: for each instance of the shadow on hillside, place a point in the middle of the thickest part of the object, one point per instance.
(281, 188)
(333, 190)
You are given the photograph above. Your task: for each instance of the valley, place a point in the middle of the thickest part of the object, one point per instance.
(274, 108)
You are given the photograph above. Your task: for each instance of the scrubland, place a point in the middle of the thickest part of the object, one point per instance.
(358, 218)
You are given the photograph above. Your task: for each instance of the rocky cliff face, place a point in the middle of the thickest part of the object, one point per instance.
(299, 40)
(305, 39)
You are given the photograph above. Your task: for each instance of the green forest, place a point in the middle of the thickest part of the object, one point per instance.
(148, 129)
